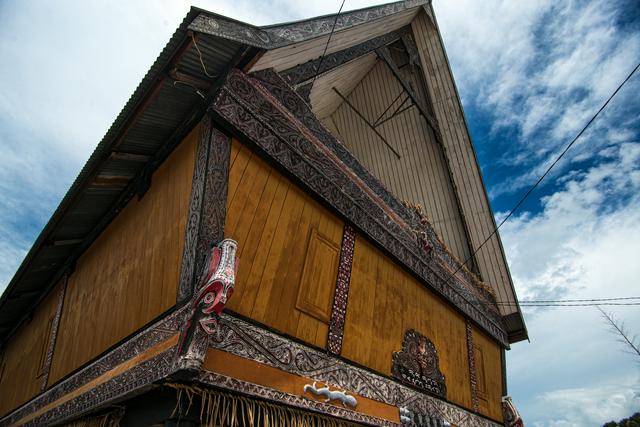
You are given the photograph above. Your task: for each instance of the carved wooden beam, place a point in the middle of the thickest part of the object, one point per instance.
(364, 119)
(265, 112)
(304, 72)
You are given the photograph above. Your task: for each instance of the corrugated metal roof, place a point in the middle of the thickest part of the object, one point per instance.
(157, 108)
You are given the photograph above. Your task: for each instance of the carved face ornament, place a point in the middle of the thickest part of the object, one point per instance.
(218, 288)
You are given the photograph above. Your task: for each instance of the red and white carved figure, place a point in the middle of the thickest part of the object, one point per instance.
(511, 415)
(218, 284)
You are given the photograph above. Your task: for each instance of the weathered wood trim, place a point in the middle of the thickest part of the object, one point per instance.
(207, 208)
(54, 333)
(253, 342)
(268, 113)
(185, 288)
(473, 375)
(282, 35)
(132, 366)
(307, 71)
(214, 205)
(341, 295)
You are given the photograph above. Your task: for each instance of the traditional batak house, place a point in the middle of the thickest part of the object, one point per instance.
(271, 233)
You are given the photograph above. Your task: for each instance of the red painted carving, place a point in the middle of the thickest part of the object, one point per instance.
(511, 415)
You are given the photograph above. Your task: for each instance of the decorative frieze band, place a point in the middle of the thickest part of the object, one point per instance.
(270, 114)
(341, 295)
(137, 377)
(255, 390)
(282, 35)
(252, 342)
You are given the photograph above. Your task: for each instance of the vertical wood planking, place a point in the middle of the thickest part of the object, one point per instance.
(488, 361)
(459, 151)
(276, 224)
(420, 175)
(130, 274)
(23, 357)
(385, 301)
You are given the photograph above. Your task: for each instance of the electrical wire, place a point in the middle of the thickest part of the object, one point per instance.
(526, 195)
(326, 46)
(580, 304)
(550, 301)
(204, 68)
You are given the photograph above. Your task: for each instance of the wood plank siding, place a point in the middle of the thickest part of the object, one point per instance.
(420, 175)
(23, 357)
(385, 301)
(463, 164)
(488, 361)
(129, 275)
(288, 249)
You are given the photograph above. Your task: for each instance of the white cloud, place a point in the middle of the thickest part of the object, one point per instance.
(583, 244)
(542, 68)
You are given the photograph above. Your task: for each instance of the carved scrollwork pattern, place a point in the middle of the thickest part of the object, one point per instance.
(282, 35)
(250, 341)
(268, 112)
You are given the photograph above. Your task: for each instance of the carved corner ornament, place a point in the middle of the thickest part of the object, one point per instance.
(417, 364)
(215, 289)
(512, 417)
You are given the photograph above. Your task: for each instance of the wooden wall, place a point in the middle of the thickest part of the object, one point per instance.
(23, 357)
(420, 174)
(288, 249)
(459, 150)
(488, 359)
(385, 301)
(130, 274)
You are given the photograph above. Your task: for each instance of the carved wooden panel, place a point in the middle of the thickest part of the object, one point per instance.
(418, 364)
(315, 293)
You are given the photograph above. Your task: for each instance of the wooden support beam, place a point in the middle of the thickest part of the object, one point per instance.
(305, 72)
(385, 55)
(364, 119)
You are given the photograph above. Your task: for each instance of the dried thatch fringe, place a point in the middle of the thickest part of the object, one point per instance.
(110, 419)
(222, 409)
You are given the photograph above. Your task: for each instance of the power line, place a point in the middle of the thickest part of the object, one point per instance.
(326, 46)
(580, 304)
(526, 195)
(568, 300)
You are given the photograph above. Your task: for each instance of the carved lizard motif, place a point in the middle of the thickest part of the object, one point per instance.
(342, 396)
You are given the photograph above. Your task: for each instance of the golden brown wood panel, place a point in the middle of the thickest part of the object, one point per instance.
(23, 356)
(385, 301)
(275, 223)
(130, 274)
(489, 373)
(465, 172)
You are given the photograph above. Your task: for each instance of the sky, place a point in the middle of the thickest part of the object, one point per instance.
(530, 75)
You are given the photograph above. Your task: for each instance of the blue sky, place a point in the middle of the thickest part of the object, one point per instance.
(530, 74)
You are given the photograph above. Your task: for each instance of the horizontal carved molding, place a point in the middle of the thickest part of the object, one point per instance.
(267, 112)
(281, 35)
(139, 376)
(250, 341)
